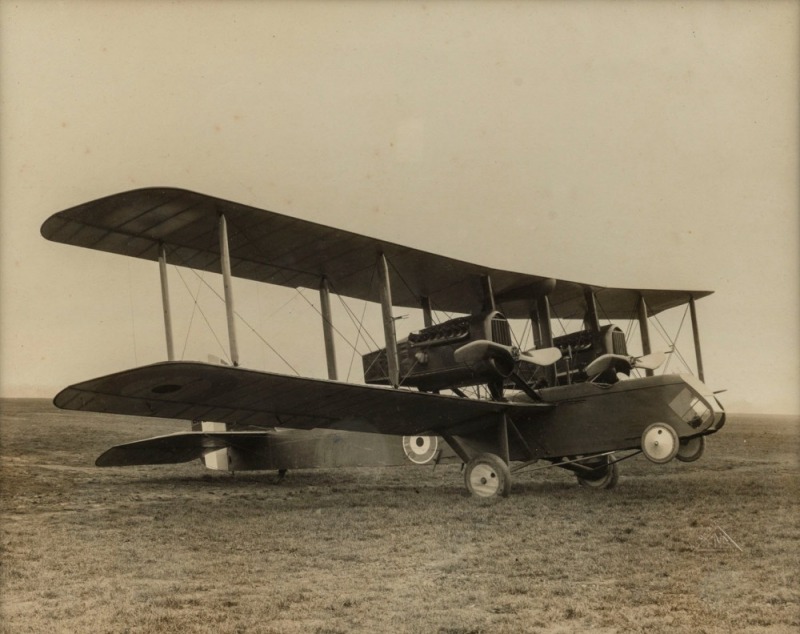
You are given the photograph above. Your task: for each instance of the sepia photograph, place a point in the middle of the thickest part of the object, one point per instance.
(421, 317)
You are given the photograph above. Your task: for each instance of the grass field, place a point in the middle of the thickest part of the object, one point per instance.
(711, 546)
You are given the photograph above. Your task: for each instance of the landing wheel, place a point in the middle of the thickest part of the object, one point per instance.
(660, 443)
(487, 476)
(606, 481)
(691, 449)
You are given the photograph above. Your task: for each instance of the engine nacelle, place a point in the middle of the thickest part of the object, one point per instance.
(578, 349)
(426, 357)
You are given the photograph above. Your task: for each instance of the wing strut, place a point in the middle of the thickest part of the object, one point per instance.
(644, 331)
(162, 265)
(592, 320)
(488, 293)
(542, 330)
(388, 321)
(696, 334)
(505, 453)
(225, 260)
(427, 314)
(327, 327)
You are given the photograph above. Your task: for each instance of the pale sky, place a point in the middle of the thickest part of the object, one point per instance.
(635, 144)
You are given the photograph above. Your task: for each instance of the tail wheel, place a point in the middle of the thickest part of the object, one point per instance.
(691, 449)
(487, 476)
(660, 443)
(606, 481)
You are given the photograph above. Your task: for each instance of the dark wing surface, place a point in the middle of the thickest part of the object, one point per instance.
(269, 247)
(177, 448)
(252, 399)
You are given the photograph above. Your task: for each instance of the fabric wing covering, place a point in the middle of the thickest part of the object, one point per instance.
(270, 247)
(251, 399)
(181, 447)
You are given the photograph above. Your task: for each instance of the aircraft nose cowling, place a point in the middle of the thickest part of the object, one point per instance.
(698, 406)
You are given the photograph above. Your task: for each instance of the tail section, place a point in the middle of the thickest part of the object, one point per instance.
(188, 446)
(220, 459)
(278, 449)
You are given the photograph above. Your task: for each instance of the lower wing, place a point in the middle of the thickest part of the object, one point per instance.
(248, 398)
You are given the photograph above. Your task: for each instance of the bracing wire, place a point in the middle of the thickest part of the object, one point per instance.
(336, 330)
(402, 279)
(369, 367)
(363, 333)
(558, 319)
(629, 330)
(281, 307)
(436, 317)
(359, 324)
(673, 342)
(602, 310)
(527, 329)
(198, 308)
(246, 236)
(408, 374)
(355, 321)
(195, 299)
(202, 314)
(202, 280)
(358, 336)
(247, 323)
(410, 290)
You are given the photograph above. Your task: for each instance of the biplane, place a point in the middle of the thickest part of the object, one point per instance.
(458, 389)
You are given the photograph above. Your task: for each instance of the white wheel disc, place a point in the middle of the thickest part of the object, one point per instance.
(660, 443)
(487, 476)
(484, 481)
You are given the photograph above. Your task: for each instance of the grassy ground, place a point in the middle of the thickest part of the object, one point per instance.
(179, 549)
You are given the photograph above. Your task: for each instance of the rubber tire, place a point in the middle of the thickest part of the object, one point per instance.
(492, 478)
(685, 454)
(608, 481)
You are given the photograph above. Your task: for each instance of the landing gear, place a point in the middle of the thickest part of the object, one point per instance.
(487, 476)
(691, 449)
(606, 479)
(660, 443)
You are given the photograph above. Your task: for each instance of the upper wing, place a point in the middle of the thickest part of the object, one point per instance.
(277, 249)
(248, 398)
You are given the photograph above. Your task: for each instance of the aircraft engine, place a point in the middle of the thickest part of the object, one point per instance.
(426, 356)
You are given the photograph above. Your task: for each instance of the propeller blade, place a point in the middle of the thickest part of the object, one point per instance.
(621, 363)
(604, 362)
(542, 356)
(650, 361)
(477, 351)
